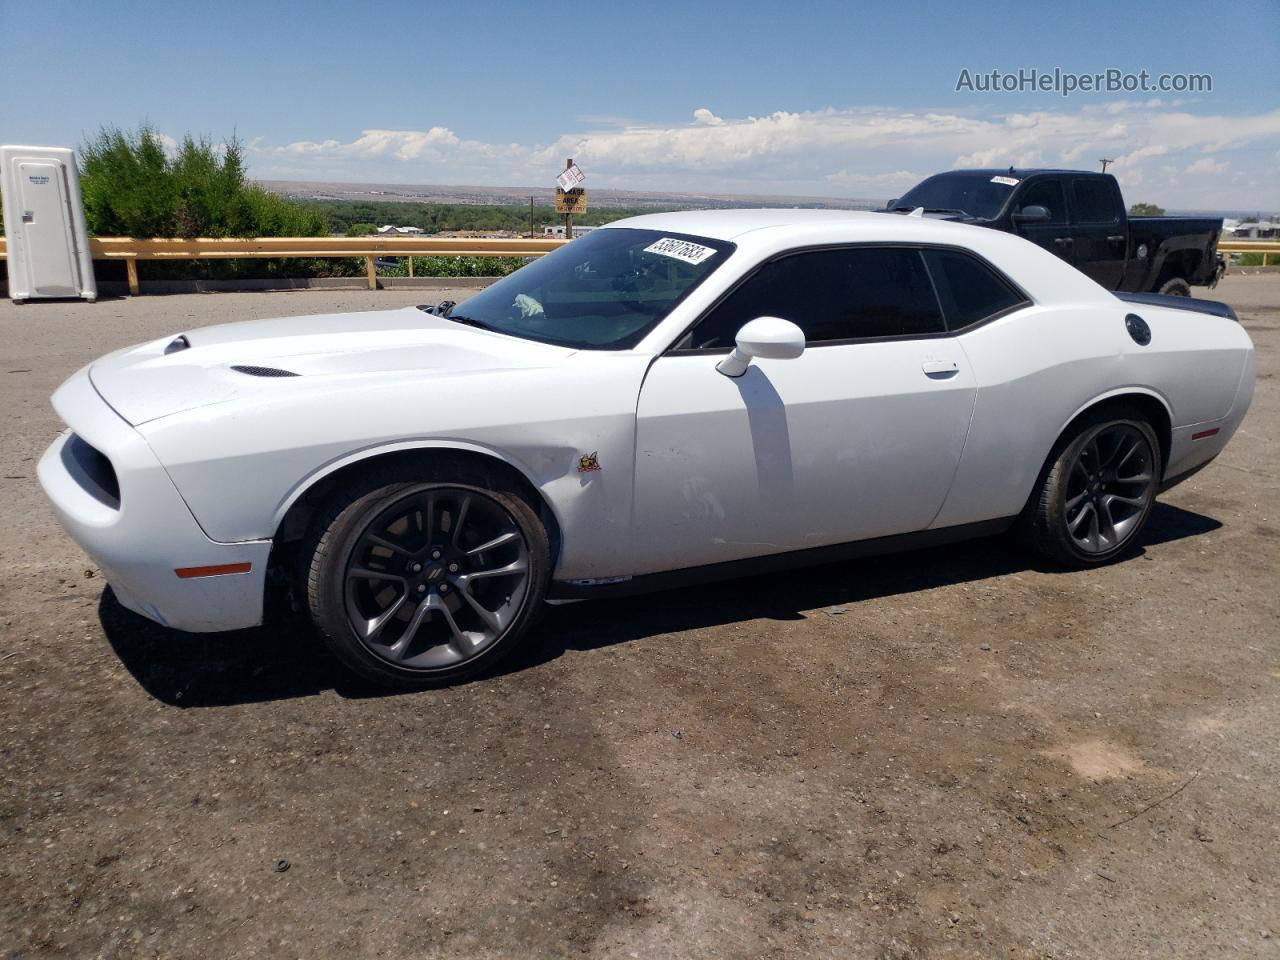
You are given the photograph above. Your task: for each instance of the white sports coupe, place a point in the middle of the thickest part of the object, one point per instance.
(675, 397)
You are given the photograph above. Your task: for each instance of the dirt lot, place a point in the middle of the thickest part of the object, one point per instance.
(954, 753)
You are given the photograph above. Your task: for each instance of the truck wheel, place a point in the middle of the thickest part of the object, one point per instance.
(1175, 287)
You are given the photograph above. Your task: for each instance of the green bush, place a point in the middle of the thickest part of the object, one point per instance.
(1255, 259)
(132, 188)
(454, 267)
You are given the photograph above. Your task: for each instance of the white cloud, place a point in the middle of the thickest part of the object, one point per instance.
(1207, 165)
(860, 151)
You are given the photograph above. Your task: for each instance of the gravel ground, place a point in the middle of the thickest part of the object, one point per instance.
(956, 753)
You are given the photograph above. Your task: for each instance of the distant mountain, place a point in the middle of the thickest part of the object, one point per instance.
(438, 193)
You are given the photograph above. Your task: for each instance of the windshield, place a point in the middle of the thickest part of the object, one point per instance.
(974, 194)
(605, 290)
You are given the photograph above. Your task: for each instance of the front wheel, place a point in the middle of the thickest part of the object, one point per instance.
(419, 584)
(1175, 287)
(1094, 498)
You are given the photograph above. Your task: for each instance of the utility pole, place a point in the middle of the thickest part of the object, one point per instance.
(568, 217)
(531, 218)
(1105, 161)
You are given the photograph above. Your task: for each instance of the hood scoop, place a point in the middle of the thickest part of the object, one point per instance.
(254, 371)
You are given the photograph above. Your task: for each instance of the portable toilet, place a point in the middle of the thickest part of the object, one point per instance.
(47, 242)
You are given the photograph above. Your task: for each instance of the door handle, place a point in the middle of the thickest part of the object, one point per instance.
(1116, 239)
(940, 369)
(1062, 241)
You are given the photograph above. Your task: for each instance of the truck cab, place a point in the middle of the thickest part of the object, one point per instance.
(1080, 217)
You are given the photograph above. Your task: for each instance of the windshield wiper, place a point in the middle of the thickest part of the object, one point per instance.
(471, 322)
(909, 208)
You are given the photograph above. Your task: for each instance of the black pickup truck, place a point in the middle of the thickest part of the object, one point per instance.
(1080, 217)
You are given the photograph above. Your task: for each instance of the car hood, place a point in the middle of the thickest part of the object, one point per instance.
(239, 360)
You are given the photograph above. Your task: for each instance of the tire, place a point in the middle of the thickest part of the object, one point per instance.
(398, 588)
(1175, 287)
(1082, 490)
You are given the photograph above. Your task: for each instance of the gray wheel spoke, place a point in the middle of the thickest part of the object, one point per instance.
(427, 518)
(1136, 478)
(1133, 446)
(1116, 498)
(498, 541)
(1085, 512)
(459, 521)
(1077, 500)
(491, 618)
(510, 569)
(1095, 533)
(374, 627)
(397, 650)
(1107, 524)
(460, 642)
(366, 573)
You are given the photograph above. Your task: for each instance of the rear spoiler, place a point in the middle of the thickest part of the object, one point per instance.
(1211, 307)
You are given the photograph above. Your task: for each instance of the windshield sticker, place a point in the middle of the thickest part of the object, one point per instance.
(1007, 181)
(693, 253)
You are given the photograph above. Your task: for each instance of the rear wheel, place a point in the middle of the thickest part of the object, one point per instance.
(1095, 496)
(1175, 287)
(419, 584)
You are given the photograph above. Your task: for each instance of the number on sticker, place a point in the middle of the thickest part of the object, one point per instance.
(684, 250)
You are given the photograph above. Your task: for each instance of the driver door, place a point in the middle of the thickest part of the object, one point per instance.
(859, 437)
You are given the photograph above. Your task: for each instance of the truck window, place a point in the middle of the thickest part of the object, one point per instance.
(1047, 194)
(1095, 201)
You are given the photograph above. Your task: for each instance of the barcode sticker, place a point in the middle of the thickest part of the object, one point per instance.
(693, 253)
(1007, 181)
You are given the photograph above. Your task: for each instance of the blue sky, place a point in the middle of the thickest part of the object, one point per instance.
(838, 99)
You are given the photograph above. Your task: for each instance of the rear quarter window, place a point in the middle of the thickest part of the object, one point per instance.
(970, 290)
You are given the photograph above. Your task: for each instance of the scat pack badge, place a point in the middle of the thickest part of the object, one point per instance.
(589, 462)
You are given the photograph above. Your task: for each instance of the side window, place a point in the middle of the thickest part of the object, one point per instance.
(844, 294)
(1095, 201)
(970, 290)
(1047, 194)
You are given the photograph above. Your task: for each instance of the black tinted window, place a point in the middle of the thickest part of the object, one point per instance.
(970, 290)
(1047, 194)
(1095, 201)
(832, 295)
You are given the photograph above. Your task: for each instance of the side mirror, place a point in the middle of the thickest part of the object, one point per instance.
(1032, 214)
(770, 338)
(891, 204)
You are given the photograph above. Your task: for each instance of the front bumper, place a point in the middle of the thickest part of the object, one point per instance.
(145, 532)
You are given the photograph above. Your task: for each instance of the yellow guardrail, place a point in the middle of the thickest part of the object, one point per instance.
(1265, 247)
(131, 250)
(208, 248)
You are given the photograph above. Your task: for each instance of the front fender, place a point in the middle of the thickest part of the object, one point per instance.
(368, 454)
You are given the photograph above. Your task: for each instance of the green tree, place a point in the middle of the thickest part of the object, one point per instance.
(1146, 210)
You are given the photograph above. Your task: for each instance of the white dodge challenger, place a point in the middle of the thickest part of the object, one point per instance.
(676, 397)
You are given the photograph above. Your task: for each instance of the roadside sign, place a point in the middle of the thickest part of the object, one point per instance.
(570, 177)
(571, 201)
